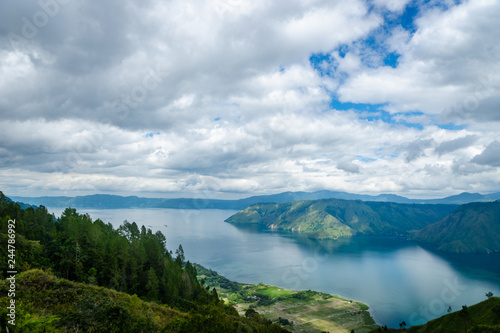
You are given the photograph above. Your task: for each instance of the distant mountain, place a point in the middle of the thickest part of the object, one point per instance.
(474, 227)
(104, 201)
(21, 204)
(494, 196)
(463, 198)
(334, 218)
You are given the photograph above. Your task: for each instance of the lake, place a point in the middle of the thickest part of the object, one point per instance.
(399, 279)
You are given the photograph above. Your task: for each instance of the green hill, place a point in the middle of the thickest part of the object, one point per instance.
(95, 270)
(474, 227)
(45, 303)
(483, 317)
(334, 218)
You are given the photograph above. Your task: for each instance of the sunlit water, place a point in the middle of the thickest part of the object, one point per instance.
(397, 278)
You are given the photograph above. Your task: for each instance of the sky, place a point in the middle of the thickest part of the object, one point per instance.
(231, 98)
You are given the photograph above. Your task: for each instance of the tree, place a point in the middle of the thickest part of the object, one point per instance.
(92, 279)
(449, 309)
(180, 256)
(250, 313)
(215, 296)
(489, 294)
(402, 325)
(464, 314)
(152, 286)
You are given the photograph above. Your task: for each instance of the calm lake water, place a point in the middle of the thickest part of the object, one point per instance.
(398, 279)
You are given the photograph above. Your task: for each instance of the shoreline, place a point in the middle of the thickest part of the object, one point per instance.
(299, 311)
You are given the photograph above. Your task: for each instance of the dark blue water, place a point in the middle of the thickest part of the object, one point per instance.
(398, 279)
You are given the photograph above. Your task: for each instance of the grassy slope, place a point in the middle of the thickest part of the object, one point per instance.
(482, 317)
(334, 218)
(310, 311)
(45, 303)
(473, 227)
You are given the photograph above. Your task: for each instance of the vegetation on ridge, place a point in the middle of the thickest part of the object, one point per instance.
(483, 317)
(474, 227)
(128, 260)
(334, 218)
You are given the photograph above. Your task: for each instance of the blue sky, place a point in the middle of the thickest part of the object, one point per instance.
(230, 98)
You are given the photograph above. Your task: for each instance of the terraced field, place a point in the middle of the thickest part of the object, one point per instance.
(302, 311)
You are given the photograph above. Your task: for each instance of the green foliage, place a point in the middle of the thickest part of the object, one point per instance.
(284, 321)
(49, 304)
(79, 249)
(305, 310)
(363, 307)
(152, 285)
(335, 218)
(472, 228)
(264, 300)
(305, 294)
(129, 259)
(216, 319)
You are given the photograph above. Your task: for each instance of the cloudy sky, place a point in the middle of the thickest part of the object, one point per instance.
(229, 98)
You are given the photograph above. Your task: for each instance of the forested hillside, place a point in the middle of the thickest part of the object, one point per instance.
(131, 259)
(474, 227)
(334, 218)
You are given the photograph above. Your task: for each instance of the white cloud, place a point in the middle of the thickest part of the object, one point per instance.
(448, 63)
(234, 105)
(392, 5)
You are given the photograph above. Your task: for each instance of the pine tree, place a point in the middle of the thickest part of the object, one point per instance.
(152, 286)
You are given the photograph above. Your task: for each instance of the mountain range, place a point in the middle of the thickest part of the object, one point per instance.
(473, 227)
(105, 201)
(443, 223)
(469, 228)
(335, 218)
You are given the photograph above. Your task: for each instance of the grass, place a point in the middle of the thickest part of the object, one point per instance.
(274, 292)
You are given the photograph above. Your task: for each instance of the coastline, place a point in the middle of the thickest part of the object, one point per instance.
(297, 311)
